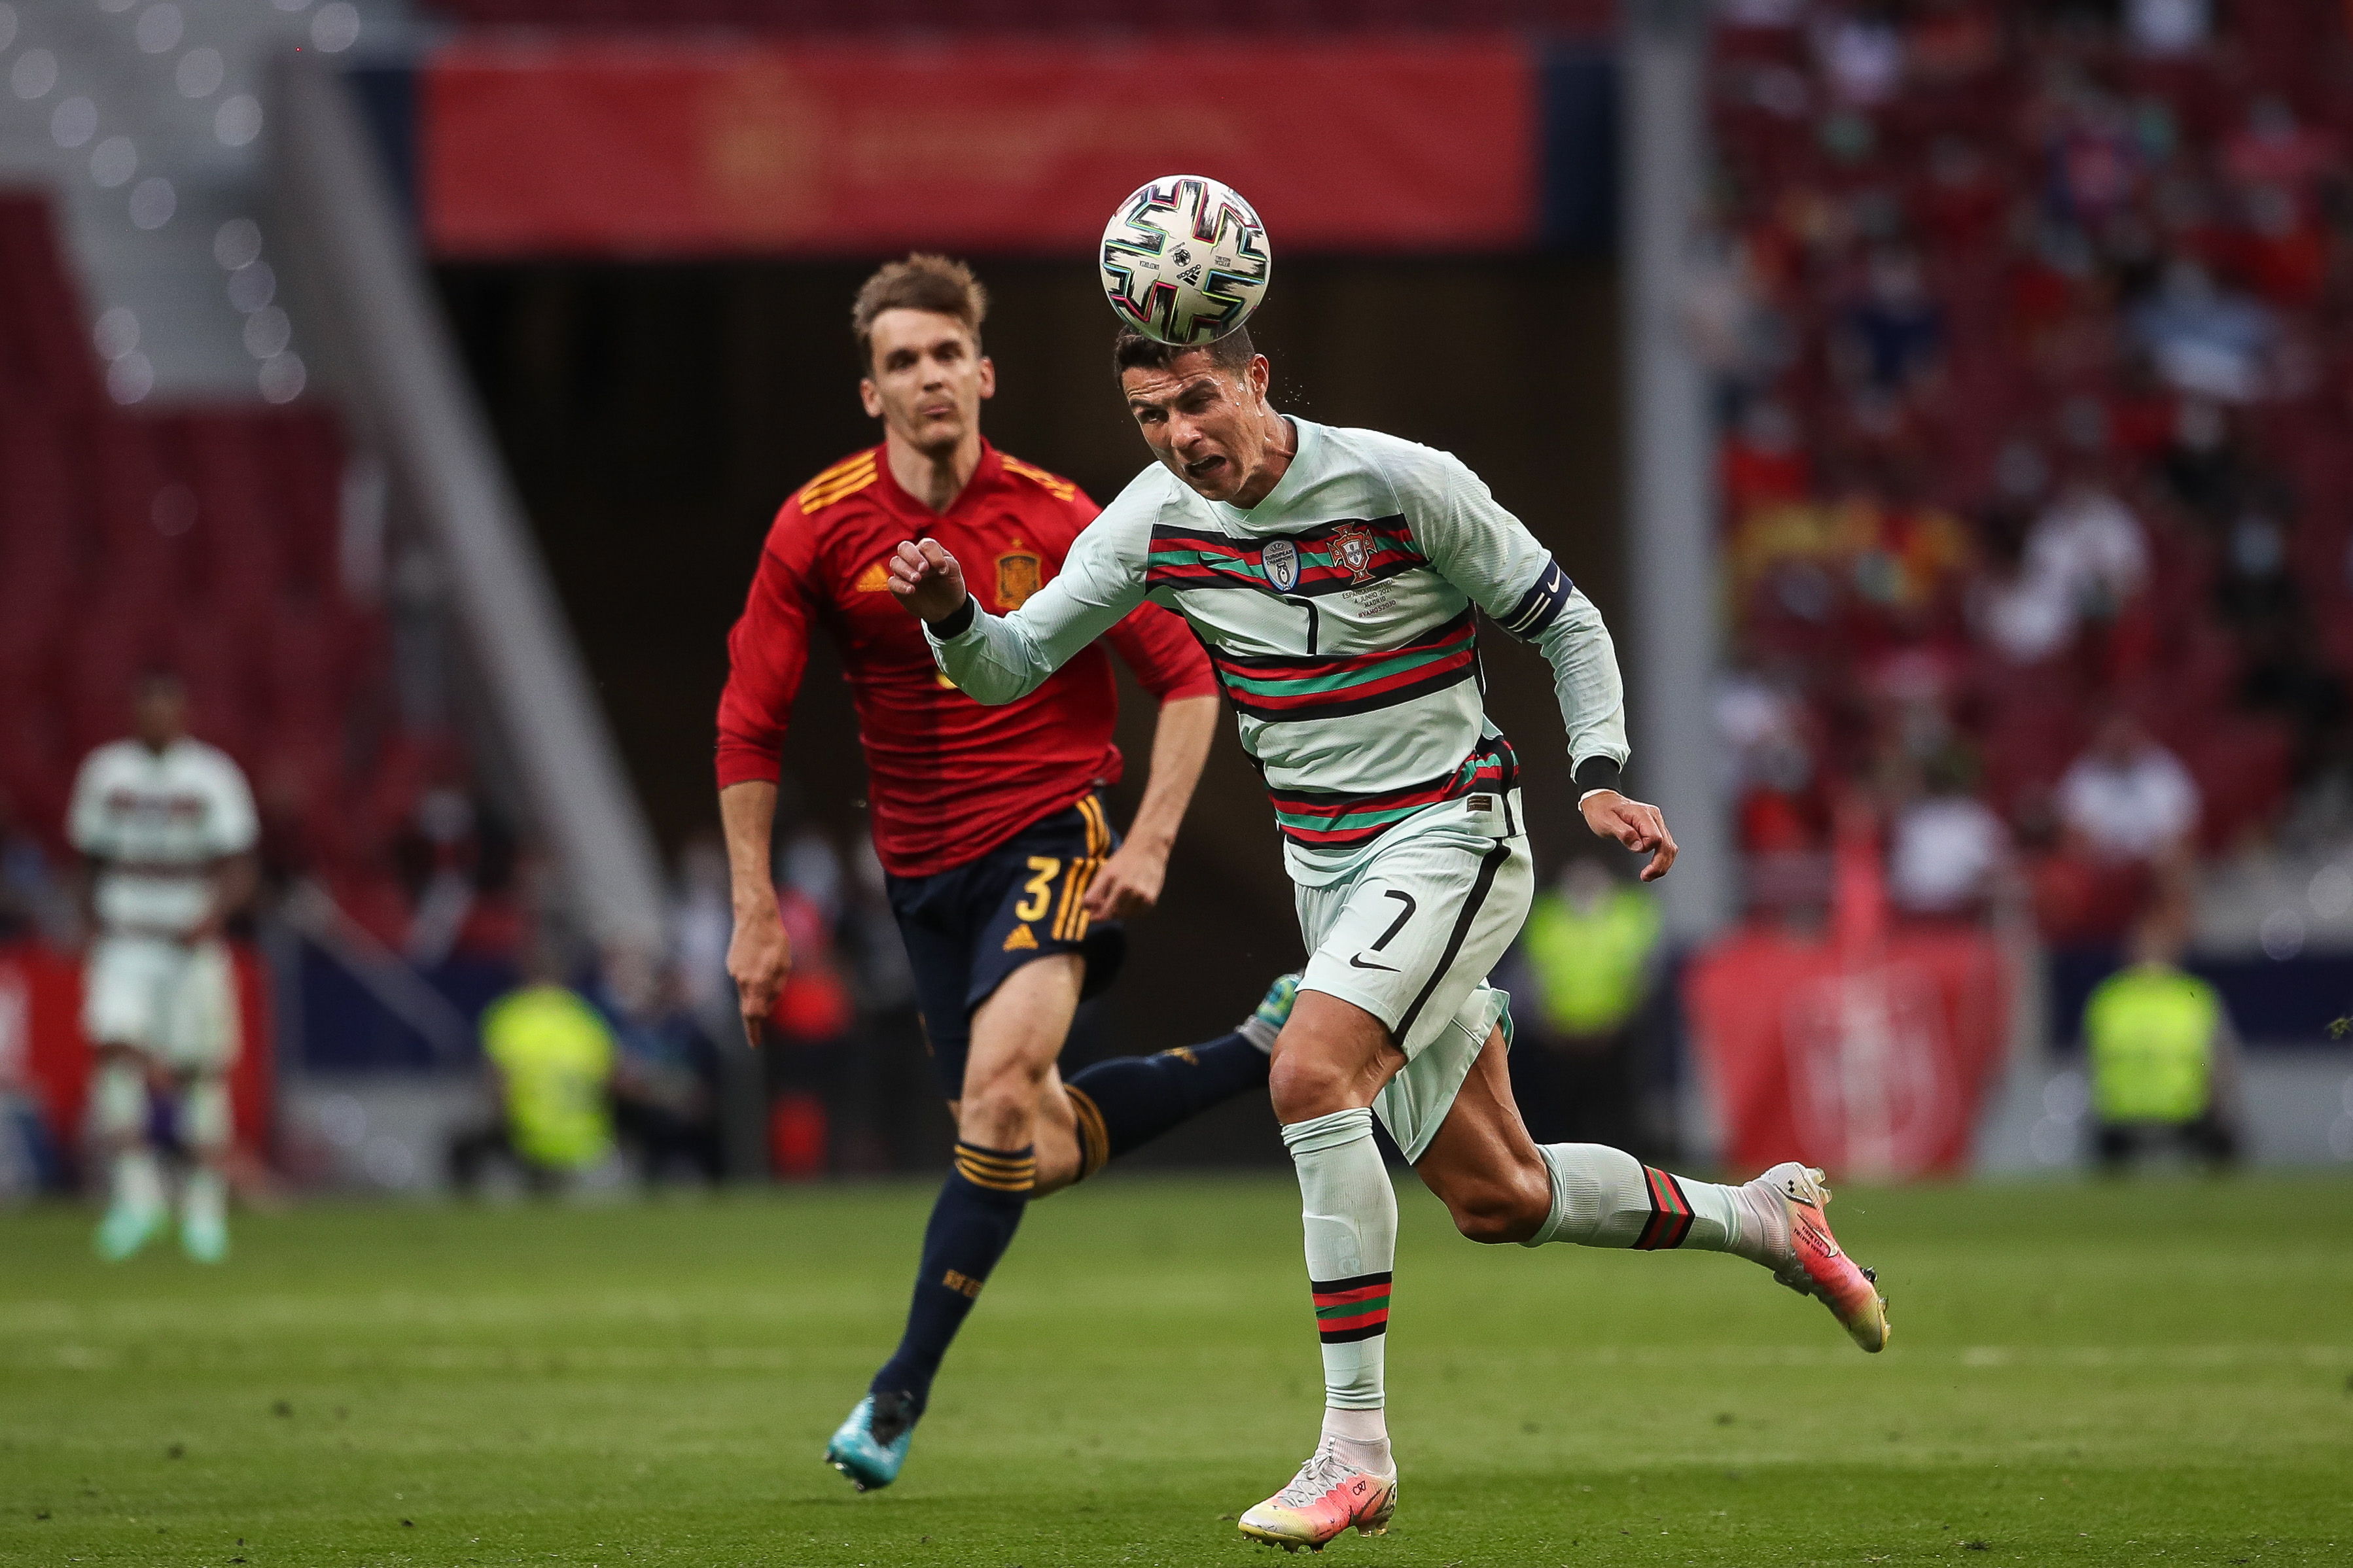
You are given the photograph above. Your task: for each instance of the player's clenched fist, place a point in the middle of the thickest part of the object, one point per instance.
(927, 579)
(1635, 825)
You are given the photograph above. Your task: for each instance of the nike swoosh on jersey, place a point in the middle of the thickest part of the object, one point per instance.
(1357, 961)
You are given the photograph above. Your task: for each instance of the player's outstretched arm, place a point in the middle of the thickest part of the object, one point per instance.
(759, 955)
(1130, 880)
(1593, 708)
(1002, 658)
(1483, 550)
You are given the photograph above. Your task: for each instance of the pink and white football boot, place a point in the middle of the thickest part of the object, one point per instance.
(1817, 1267)
(1327, 1497)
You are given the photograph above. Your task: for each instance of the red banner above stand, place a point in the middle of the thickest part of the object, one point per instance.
(671, 148)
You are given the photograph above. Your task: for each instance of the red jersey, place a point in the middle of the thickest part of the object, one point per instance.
(948, 779)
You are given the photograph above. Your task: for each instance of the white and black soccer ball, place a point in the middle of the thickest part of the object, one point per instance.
(1185, 259)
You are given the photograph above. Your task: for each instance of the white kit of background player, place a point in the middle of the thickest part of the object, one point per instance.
(168, 825)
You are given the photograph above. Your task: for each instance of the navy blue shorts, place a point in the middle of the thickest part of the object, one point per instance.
(967, 929)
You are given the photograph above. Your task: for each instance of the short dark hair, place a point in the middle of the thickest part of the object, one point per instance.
(1131, 350)
(923, 281)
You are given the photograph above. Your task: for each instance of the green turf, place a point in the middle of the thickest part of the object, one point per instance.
(2159, 1373)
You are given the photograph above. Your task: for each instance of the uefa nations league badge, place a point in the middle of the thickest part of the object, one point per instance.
(1281, 558)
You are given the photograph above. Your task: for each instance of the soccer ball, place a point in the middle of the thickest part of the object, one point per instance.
(1185, 259)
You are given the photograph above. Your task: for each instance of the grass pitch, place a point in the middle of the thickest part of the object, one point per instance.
(2159, 1373)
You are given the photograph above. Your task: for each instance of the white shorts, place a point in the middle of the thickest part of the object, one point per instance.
(177, 1003)
(1410, 936)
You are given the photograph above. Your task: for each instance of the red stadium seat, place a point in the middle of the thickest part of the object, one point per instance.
(204, 541)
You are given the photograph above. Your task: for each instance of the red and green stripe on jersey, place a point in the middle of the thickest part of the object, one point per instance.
(1330, 558)
(1347, 1311)
(1323, 819)
(1671, 1211)
(1334, 686)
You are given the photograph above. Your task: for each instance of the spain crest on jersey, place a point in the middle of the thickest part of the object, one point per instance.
(1352, 549)
(1019, 575)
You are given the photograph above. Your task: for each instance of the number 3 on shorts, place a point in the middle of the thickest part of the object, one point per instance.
(1044, 868)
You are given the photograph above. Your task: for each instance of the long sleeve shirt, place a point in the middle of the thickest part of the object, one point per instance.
(948, 779)
(1338, 614)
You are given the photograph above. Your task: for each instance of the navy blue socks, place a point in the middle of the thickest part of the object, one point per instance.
(972, 1221)
(1120, 1105)
(1127, 1102)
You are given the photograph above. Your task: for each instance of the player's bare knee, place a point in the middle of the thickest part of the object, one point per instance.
(1303, 1086)
(1000, 1111)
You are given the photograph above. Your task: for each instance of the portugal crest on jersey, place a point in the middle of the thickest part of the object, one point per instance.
(1352, 549)
(1017, 577)
(1281, 558)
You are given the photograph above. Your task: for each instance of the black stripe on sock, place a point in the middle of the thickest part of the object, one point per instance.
(1664, 1229)
(1493, 863)
(1350, 1336)
(1356, 1283)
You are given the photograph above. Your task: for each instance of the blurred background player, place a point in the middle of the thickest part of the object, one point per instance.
(1003, 870)
(168, 826)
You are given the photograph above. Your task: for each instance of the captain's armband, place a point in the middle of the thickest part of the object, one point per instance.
(1541, 605)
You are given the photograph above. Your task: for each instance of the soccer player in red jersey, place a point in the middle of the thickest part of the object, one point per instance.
(1004, 872)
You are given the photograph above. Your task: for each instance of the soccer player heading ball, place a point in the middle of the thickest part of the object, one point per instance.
(1333, 574)
(1004, 872)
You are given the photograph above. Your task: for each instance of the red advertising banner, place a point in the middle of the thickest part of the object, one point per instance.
(1874, 1069)
(42, 1050)
(1867, 1053)
(679, 148)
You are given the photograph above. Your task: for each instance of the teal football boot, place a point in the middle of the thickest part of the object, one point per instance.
(127, 1228)
(872, 1443)
(204, 1235)
(1274, 1010)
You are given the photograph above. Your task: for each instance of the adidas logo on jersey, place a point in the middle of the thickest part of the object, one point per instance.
(1022, 940)
(875, 579)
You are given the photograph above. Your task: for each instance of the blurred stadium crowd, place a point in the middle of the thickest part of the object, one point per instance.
(2030, 325)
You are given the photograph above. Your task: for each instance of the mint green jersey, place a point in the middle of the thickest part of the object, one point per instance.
(1339, 614)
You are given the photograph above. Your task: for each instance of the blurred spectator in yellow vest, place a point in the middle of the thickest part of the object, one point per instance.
(1586, 971)
(553, 1054)
(2162, 1055)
